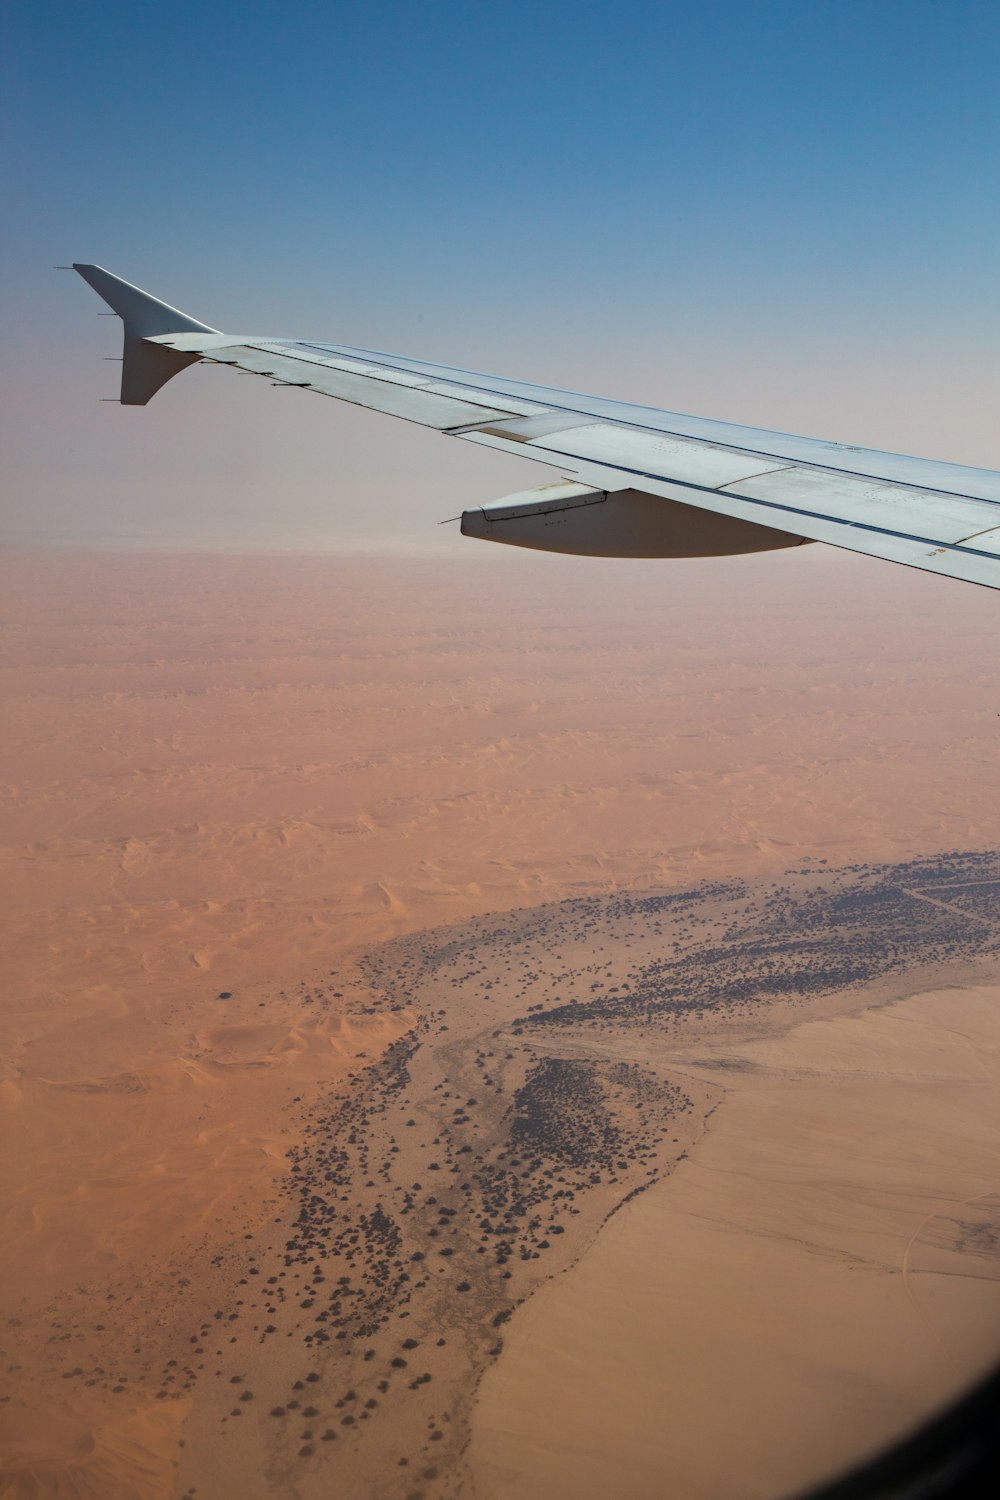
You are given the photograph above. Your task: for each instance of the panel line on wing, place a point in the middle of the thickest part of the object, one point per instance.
(747, 478)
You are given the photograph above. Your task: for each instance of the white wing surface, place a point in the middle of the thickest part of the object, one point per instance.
(634, 481)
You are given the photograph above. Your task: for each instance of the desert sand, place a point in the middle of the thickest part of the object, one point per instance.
(237, 777)
(820, 1273)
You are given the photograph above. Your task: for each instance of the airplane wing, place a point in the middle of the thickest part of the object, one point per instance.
(634, 481)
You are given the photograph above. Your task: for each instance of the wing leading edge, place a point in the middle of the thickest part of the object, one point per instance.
(636, 481)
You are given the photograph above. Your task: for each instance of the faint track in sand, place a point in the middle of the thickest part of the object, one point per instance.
(907, 1272)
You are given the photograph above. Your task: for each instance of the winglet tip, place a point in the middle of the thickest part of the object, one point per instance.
(146, 365)
(144, 316)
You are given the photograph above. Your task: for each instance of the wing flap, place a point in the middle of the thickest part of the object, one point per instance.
(862, 502)
(703, 465)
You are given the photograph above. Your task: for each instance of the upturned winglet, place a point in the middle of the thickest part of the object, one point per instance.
(145, 366)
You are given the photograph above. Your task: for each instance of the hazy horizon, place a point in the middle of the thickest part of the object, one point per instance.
(770, 215)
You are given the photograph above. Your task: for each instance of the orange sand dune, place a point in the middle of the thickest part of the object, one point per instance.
(76, 1454)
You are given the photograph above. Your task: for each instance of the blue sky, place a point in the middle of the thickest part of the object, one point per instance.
(786, 213)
